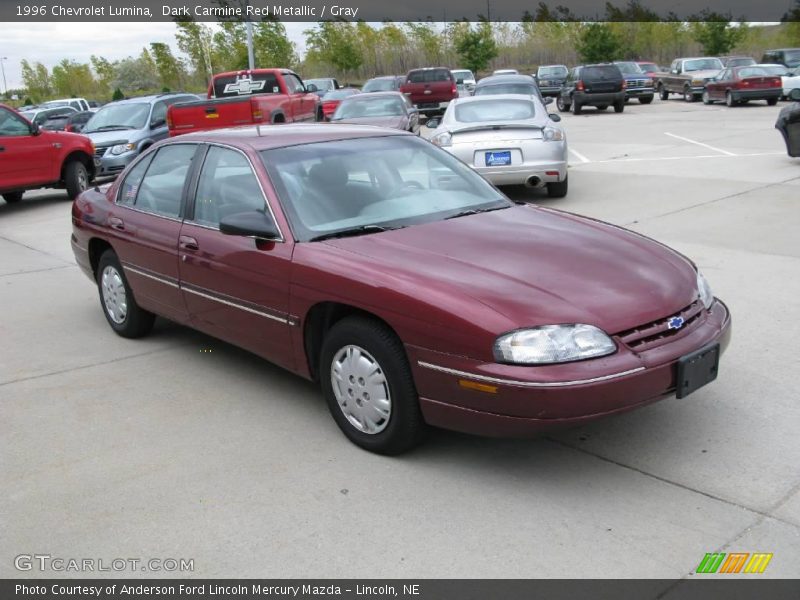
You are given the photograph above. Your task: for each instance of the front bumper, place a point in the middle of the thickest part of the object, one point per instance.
(639, 92)
(550, 90)
(530, 400)
(111, 165)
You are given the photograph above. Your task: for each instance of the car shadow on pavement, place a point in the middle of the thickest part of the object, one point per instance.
(29, 203)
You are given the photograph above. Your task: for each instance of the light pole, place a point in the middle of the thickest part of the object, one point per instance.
(3, 69)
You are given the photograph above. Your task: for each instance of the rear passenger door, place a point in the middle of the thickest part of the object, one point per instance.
(236, 288)
(145, 223)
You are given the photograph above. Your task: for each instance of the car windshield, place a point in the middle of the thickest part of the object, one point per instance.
(703, 64)
(792, 57)
(356, 108)
(322, 84)
(740, 62)
(121, 116)
(629, 68)
(379, 85)
(506, 88)
(557, 71)
(339, 94)
(362, 185)
(648, 67)
(494, 110)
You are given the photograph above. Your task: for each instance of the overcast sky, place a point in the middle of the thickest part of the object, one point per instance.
(49, 43)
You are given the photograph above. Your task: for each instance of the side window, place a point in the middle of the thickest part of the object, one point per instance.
(159, 116)
(11, 124)
(293, 84)
(130, 187)
(227, 186)
(162, 187)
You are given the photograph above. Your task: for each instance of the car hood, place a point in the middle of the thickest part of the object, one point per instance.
(117, 136)
(395, 122)
(536, 266)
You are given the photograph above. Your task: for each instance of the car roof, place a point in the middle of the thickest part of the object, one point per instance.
(384, 94)
(149, 98)
(268, 137)
(496, 97)
(504, 79)
(385, 77)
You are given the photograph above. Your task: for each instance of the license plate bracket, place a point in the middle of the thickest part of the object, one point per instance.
(696, 370)
(498, 159)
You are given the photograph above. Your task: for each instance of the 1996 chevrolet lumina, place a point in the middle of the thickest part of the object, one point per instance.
(411, 289)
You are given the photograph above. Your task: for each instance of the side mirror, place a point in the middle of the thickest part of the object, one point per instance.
(35, 129)
(674, 71)
(433, 122)
(311, 89)
(548, 100)
(795, 94)
(250, 224)
(156, 123)
(554, 117)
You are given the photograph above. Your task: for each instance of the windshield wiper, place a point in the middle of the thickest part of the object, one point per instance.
(352, 232)
(474, 211)
(108, 127)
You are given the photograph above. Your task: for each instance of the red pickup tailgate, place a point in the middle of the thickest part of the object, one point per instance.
(430, 86)
(212, 114)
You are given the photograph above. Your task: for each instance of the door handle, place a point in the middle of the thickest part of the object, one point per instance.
(188, 243)
(2, 148)
(116, 223)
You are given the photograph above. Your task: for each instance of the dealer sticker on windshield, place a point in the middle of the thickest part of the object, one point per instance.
(498, 159)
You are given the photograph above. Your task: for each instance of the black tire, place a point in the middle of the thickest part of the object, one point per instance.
(688, 94)
(729, 101)
(320, 115)
(619, 107)
(558, 189)
(662, 93)
(12, 197)
(137, 322)
(405, 426)
(645, 99)
(561, 105)
(576, 108)
(706, 98)
(76, 178)
(772, 101)
(602, 107)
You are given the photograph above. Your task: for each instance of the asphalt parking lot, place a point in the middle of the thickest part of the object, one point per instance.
(181, 446)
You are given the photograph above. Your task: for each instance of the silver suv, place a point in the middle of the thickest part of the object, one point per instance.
(121, 130)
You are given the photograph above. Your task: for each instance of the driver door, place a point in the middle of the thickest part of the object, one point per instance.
(25, 158)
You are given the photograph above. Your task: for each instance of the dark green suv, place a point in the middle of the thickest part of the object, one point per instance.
(592, 85)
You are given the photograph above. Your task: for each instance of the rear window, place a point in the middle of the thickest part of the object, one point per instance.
(230, 86)
(609, 72)
(494, 110)
(629, 68)
(379, 85)
(762, 71)
(506, 88)
(429, 76)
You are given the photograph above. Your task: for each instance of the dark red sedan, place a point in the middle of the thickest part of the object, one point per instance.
(389, 271)
(331, 100)
(737, 85)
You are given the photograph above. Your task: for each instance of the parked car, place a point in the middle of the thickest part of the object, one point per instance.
(599, 85)
(550, 78)
(650, 68)
(122, 130)
(332, 99)
(790, 81)
(387, 270)
(41, 115)
(737, 61)
(260, 96)
(737, 85)
(688, 77)
(788, 123)
(382, 109)
(788, 57)
(32, 158)
(57, 122)
(637, 84)
(389, 83)
(323, 85)
(509, 84)
(505, 72)
(79, 104)
(76, 122)
(430, 89)
(509, 139)
(466, 78)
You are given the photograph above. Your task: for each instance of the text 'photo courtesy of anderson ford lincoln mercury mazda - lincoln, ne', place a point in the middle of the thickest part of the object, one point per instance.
(389, 271)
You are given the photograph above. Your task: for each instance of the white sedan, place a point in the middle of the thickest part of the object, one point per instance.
(791, 82)
(507, 138)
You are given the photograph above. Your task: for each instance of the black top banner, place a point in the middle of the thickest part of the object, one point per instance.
(390, 10)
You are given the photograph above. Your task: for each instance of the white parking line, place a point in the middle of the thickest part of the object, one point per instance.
(580, 156)
(660, 158)
(699, 144)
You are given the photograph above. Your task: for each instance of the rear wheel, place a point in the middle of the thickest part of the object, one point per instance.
(576, 108)
(662, 92)
(320, 115)
(706, 98)
(561, 105)
(772, 101)
(116, 298)
(729, 99)
(558, 189)
(688, 94)
(12, 197)
(76, 178)
(619, 106)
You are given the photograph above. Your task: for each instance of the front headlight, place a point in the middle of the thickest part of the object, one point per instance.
(122, 148)
(704, 291)
(550, 344)
(443, 139)
(648, 82)
(552, 134)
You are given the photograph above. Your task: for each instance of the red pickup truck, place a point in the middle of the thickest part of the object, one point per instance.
(260, 96)
(430, 89)
(32, 158)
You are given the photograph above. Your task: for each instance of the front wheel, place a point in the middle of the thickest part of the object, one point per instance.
(116, 298)
(558, 189)
(662, 92)
(76, 178)
(12, 197)
(645, 99)
(561, 105)
(369, 388)
(688, 94)
(320, 115)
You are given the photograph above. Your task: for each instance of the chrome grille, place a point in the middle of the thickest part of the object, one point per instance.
(99, 151)
(636, 83)
(657, 332)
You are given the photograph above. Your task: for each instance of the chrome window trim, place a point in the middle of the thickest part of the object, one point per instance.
(515, 383)
(214, 298)
(150, 275)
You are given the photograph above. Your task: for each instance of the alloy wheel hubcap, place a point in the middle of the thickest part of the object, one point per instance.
(114, 296)
(361, 389)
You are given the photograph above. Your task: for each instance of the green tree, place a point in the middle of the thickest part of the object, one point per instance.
(118, 95)
(70, 78)
(36, 79)
(195, 40)
(476, 47)
(716, 33)
(425, 37)
(169, 68)
(104, 74)
(335, 43)
(599, 43)
(271, 45)
(136, 75)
